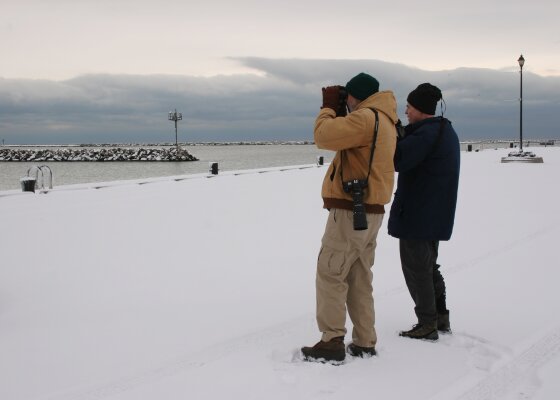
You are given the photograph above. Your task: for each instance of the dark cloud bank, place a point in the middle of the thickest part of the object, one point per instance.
(279, 105)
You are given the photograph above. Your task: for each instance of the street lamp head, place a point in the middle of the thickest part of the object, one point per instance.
(521, 61)
(174, 116)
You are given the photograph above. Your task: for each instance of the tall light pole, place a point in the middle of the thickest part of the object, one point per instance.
(175, 116)
(521, 156)
(521, 62)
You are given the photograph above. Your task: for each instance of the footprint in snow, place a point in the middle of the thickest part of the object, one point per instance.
(483, 354)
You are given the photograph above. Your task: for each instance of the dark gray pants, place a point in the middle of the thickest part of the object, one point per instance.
(425, 282)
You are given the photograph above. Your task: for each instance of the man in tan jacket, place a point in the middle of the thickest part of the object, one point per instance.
(344, 276)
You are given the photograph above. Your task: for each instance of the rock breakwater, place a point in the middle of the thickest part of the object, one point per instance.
(96, 154)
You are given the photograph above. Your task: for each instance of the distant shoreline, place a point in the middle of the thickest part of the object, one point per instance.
(537, 142)
(185, 144)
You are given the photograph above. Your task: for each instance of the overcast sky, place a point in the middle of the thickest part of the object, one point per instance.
(60, 39)
(102, 70)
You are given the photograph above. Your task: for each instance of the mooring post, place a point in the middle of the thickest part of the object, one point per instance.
(214, 168)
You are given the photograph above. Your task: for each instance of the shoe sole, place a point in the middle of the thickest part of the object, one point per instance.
(336, 363)
(364, 356)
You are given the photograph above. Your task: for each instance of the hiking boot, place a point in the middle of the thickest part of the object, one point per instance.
(419, 331)
(443, 324)
(359, 351)
(333, 350)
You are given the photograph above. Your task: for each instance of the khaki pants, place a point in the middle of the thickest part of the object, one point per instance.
(344, 278)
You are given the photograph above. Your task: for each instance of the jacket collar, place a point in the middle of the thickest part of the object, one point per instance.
(383, 101)
(412, 127)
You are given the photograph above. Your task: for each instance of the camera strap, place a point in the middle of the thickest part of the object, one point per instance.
(375, 131)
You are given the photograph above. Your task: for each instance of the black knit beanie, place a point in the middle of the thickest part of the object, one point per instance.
(425, 98)
(362, 86)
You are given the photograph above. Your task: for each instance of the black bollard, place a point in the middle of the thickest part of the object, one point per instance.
(28, 184)
(214, 168)
(320, 160)
(469, 147)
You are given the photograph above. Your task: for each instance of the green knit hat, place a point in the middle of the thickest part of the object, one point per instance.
(362, 86)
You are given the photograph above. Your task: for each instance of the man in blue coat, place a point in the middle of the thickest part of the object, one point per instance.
(423, 211)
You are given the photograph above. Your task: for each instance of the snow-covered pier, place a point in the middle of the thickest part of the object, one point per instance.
(204, 288)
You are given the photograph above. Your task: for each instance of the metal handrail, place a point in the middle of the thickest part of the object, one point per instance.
(42, 169)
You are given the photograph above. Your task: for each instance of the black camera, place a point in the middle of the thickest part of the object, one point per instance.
(342, 99)
(356, 188)
(342, 95)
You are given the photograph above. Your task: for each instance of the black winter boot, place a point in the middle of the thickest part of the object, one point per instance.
(443, 324)
(333, 350)
(420, 331)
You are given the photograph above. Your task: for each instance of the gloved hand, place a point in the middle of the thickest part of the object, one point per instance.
(341, 112)
(330, 97)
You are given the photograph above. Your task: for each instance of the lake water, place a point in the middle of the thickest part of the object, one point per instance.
(230, 157)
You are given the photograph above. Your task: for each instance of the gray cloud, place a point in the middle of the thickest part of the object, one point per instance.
(279, 104)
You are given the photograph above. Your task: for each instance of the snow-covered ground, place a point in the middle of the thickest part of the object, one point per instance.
(204, 289)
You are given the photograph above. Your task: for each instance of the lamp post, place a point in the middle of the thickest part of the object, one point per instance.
(175, 116)
(521, 62)
(521, 156)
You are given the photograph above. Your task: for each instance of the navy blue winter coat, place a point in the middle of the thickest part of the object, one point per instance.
(428, 167)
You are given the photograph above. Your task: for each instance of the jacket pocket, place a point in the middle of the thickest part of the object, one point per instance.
(333, 172)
